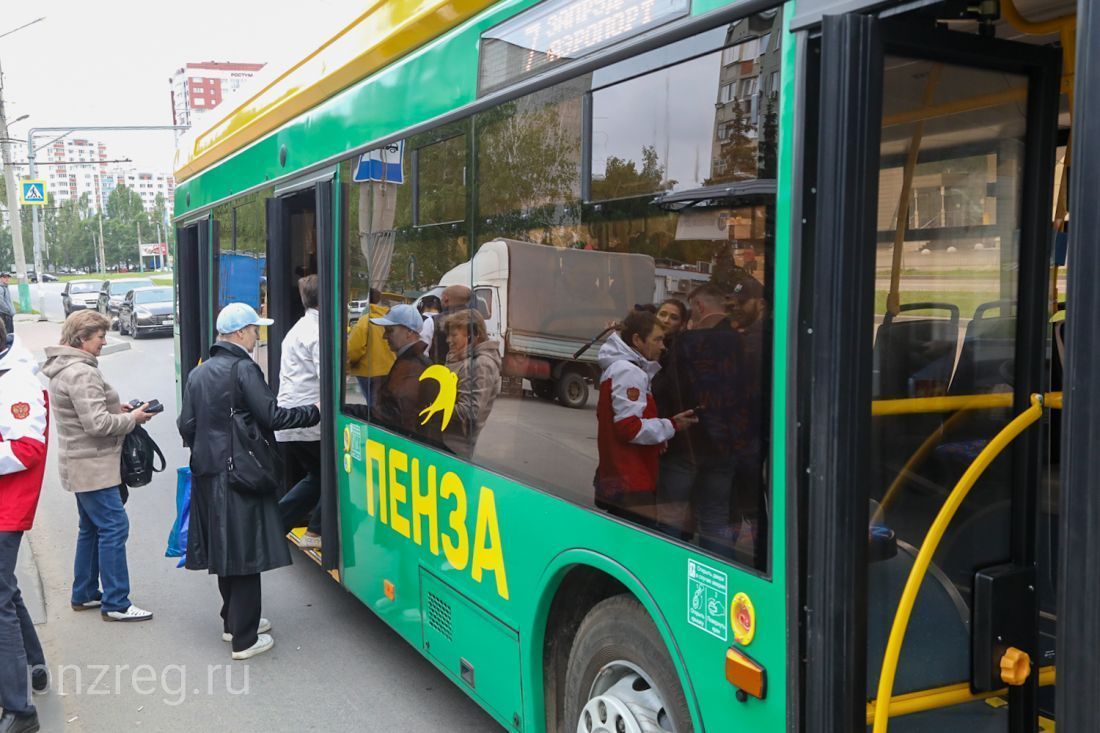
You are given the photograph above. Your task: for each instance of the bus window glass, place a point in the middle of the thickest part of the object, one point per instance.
(644, 140)
(946, 290)
(240, 252)
(390, 264)
(611, 394)
(441, 185)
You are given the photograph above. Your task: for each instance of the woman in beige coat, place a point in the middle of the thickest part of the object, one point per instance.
(476, 361)
(89, 424)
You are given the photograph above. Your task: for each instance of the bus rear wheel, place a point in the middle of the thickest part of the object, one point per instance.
(620, 678)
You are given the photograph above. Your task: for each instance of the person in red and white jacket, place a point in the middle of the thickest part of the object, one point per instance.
(630, 436)
(24, 425)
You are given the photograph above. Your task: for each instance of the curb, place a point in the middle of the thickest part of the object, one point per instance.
(30, 582)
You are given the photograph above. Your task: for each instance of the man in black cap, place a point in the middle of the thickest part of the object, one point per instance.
(7, 309)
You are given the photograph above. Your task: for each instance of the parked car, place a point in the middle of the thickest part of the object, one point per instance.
(147, 310)
(356, 309)
(112, 292)
(80, 294)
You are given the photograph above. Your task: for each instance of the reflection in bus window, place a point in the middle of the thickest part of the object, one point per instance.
(584, 412)
(390, 262)
(536, 283)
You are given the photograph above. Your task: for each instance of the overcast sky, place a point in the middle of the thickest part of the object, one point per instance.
(109, 62)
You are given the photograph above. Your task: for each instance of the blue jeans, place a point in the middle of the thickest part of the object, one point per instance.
(19, 647)
(101, 550)
(304, 497)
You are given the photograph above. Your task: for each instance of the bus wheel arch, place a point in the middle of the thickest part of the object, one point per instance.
(585, 594)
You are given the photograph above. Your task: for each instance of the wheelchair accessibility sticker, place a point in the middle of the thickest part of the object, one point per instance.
(708, 599)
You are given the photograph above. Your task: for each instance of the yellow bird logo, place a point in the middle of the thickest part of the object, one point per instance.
(448, 393)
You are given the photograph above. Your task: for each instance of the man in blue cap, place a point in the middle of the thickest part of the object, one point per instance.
(403, 395)
(232, 534)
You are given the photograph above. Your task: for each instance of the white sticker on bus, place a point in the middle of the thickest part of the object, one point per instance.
(708, 599)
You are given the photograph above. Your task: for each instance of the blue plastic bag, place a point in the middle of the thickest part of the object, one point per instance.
(177, 537)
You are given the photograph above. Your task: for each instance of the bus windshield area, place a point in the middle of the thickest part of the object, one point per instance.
(601, 287)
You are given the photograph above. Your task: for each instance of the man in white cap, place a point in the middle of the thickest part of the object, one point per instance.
(234, 535)
(403, 395)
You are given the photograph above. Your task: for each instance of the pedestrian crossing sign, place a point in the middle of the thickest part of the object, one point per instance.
(33, 193)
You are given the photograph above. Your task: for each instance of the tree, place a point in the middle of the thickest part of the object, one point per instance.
(621, 178)
(737, 157)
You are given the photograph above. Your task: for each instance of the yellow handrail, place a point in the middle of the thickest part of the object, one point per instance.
(928, 549)
(943, 697)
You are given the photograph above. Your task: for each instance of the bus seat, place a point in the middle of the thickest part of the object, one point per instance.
(914, 357)
(989, 344)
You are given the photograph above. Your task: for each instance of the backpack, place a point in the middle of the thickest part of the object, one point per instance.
(137, 463)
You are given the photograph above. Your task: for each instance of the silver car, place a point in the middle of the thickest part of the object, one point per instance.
(80, 295)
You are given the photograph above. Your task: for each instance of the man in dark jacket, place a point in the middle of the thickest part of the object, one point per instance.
(403, 395)
(234, 535)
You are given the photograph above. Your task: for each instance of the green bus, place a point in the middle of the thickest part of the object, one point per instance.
(864, 203)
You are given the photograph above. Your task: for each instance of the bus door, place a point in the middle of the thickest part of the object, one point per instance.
(934, 210)
(193, 302)
(300, 243)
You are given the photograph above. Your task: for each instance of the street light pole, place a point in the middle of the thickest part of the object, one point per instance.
(32, 169)
(13, 193)
(13, 207)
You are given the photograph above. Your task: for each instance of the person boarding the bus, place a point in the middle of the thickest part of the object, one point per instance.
(24, 427)
(300, 385)
(234, 535)
(630, 436)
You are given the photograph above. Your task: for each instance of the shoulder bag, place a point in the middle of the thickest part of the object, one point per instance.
(254, 464)
(139, 452)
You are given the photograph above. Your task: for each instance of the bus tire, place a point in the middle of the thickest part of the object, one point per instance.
(572, 389)
(620, 675)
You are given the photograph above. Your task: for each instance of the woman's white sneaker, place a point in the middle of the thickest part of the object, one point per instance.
(133, 613)
(264, 627)
(263, 643)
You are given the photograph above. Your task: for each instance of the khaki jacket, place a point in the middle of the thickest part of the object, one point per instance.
(478, 388)
(88, 422)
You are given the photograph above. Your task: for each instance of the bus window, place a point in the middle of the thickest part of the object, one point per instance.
(392, 261)
(665, 428)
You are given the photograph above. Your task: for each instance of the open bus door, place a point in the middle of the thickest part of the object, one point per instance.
(932, 539)
(301, 241)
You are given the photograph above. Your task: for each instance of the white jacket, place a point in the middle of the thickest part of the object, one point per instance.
(300, 373)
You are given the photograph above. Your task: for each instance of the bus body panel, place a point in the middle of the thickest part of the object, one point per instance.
(457, 511)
